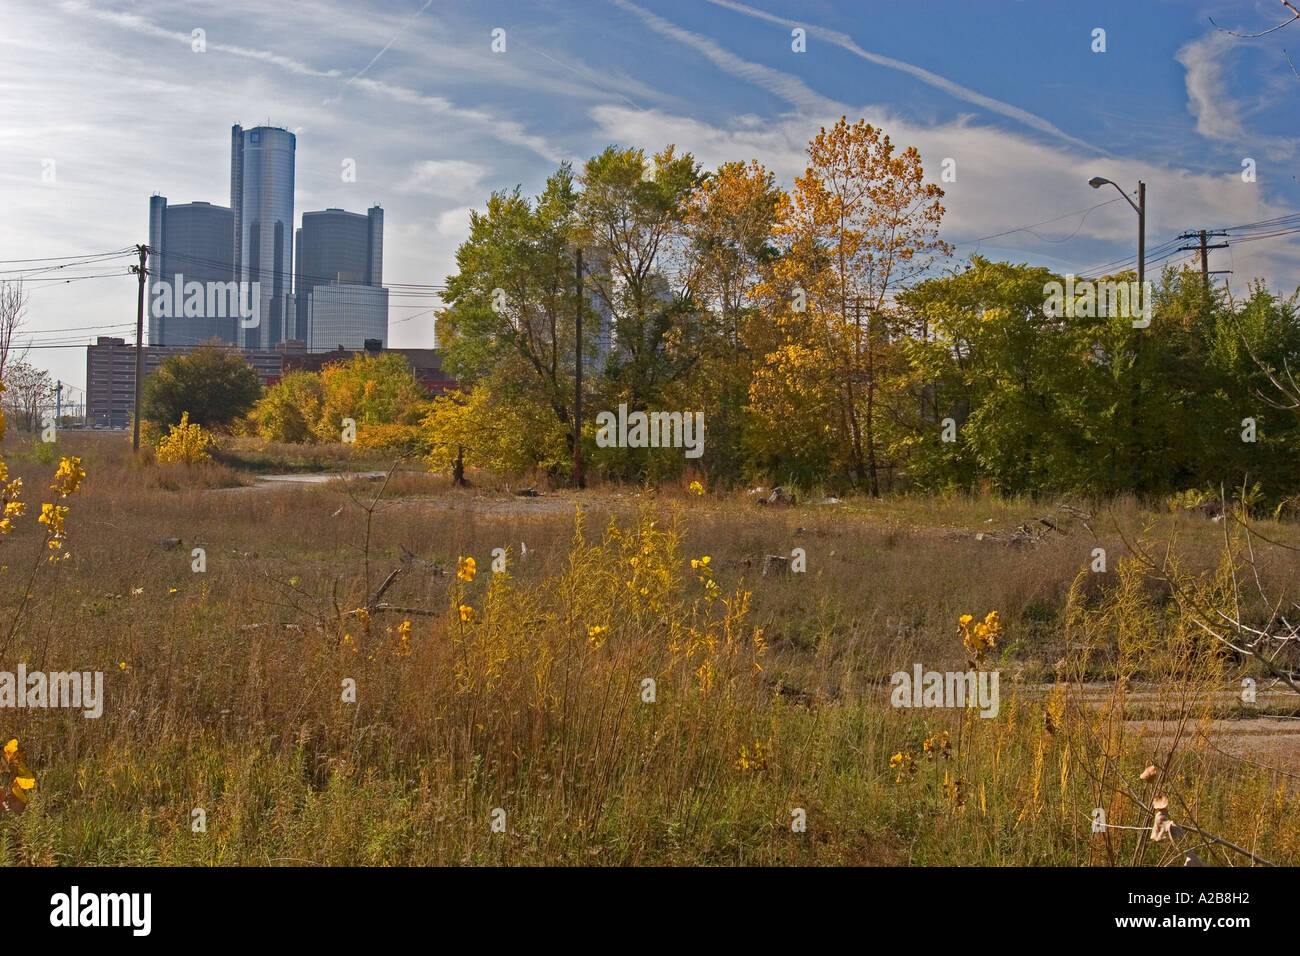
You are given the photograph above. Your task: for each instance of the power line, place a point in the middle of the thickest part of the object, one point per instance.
(1031, 226)
(84, 255)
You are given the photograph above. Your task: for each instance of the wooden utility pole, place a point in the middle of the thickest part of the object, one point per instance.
(577, 377)
(141, 271)
(1203, 247)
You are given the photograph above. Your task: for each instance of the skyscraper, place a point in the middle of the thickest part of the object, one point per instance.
(190, 243)
(339, 281)
(261, 198)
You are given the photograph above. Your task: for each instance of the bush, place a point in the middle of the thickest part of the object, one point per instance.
(398, 439)
(186, 443)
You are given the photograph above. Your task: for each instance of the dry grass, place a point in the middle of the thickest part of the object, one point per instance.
(224, 688)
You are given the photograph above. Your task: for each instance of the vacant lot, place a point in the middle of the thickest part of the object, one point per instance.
(328, 690)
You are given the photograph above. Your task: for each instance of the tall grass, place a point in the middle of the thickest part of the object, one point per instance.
(228, 690)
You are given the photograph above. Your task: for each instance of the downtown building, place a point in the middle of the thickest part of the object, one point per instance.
(228, 273)
(192, 246)
(110, 371)
(261, 200)
(341, 301)
(110, 375)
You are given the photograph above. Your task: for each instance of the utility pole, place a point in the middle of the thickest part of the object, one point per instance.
(1146, 303)
(577, 378)
(1204, 248)
(58, 401)
(140, 271)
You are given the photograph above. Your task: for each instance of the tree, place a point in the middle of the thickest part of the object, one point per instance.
(290, 409)
(514, 298)
(631, 217)
(370, 390)
(860, 223)
(729, 222)
(213, 383)
(486, 429)
(1027, 392)
(26, 391)
(13, 306)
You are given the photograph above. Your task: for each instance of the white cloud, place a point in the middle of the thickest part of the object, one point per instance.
(454, 223)
(1207, 98)
(789, 88)
(445, 178)
(846, 42)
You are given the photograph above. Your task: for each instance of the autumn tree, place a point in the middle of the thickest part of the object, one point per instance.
(489, 427)
(370, 390)
(728, 221)
(860, 223)
(290, 409)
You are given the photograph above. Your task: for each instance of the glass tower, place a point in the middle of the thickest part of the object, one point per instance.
(189, 244)
(261, 198)
(341, 249)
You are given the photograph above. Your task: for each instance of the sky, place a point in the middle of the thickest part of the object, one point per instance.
(105, 103)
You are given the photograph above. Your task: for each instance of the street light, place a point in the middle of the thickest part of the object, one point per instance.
(1139, 207)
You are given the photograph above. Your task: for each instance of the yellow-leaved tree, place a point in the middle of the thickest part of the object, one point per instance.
(860, 223)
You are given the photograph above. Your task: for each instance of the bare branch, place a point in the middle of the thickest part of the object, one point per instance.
(1252, 36)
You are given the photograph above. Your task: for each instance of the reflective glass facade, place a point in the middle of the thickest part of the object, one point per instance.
(191, 243)
(261, 198)
(345, 315)
(340, 248)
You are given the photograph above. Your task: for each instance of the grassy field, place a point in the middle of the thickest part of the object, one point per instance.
(506, 718)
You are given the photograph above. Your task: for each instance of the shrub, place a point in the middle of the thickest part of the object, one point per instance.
(186, 443)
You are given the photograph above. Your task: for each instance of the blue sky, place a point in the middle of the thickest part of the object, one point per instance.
(113, 93)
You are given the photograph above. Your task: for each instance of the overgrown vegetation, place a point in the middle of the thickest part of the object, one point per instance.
(525, 690)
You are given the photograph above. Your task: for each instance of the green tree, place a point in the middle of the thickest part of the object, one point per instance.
(631, 221)
(213, 383)
(512, 303)
(1026, 391)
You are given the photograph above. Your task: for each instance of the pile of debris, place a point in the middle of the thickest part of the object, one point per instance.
(1059, 521)
(779, 497)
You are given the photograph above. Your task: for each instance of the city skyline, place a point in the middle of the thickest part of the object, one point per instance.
(199, 246)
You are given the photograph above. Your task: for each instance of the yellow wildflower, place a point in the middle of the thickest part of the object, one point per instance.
(53, 516)
(466, 569)
(69, 476)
